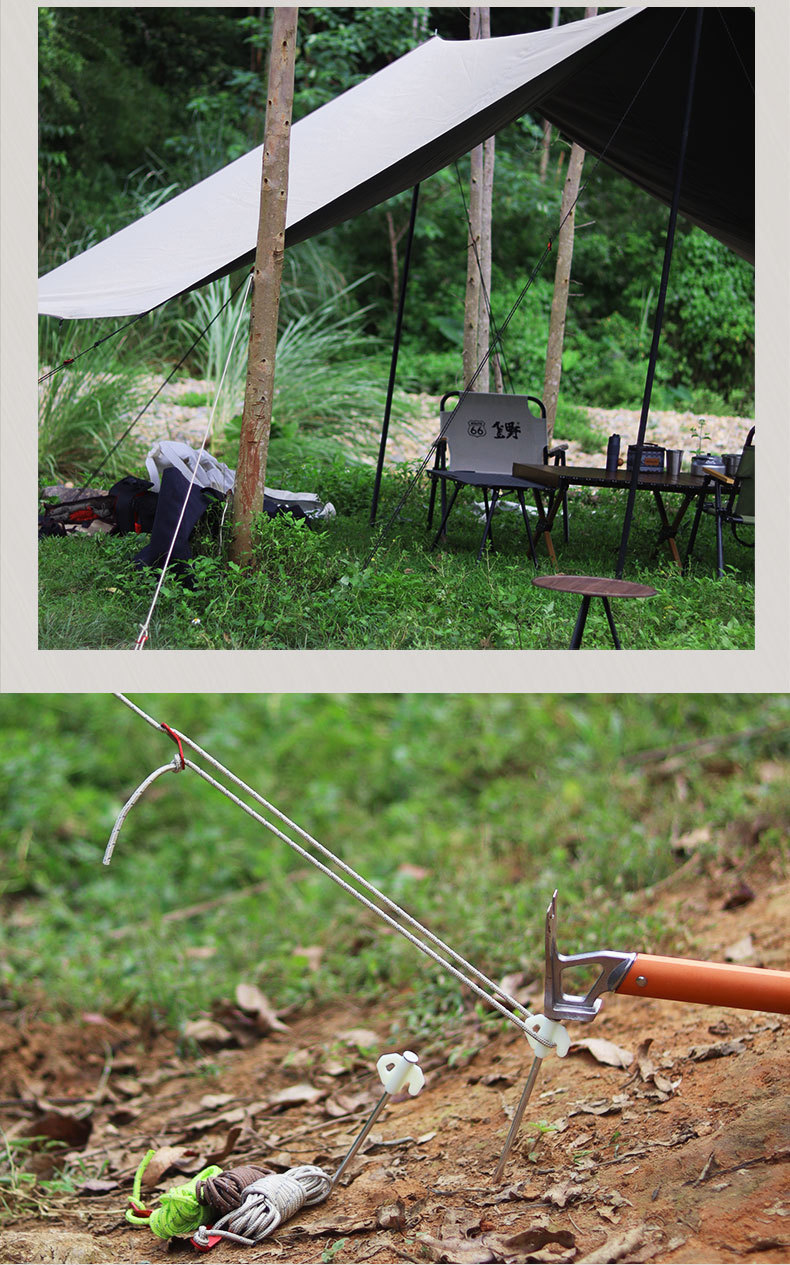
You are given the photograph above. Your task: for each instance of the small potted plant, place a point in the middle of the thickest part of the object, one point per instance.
(700, 458)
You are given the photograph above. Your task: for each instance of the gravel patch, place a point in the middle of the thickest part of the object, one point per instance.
(410, 440)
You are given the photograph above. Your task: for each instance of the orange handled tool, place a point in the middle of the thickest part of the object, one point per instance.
(712, 983)
(636, 975)
(646, 975)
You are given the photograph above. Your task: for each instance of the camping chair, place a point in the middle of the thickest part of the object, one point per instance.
(739, 508)
(486, 434)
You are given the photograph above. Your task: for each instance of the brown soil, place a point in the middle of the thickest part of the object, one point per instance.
(679, 1156)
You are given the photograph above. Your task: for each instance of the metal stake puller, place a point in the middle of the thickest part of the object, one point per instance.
(396, 1073)
(545, 1032)
(638, 975)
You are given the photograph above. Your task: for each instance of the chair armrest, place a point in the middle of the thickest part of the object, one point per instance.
(557, 452)
(718, 476)
(440, 459)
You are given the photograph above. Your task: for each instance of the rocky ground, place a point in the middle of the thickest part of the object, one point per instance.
(664, 1135)
(409, 440)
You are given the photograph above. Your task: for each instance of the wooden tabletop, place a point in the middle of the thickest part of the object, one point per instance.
(593, 586)
(599, 476)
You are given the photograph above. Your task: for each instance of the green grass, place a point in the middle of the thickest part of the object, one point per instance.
(311, 588)
(467, 809)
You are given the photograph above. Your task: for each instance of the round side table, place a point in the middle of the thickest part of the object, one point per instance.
(590, 586)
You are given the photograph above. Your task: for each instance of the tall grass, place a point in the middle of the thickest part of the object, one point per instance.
(84, 407)
(329, 383)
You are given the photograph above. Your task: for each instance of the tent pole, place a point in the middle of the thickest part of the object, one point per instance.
(395, 349)
(662, 294)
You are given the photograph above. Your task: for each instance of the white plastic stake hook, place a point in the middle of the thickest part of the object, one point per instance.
(545, 1035)
(400, 1071)
(396, 1073)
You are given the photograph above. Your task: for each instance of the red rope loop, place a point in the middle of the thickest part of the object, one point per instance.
(176, 740)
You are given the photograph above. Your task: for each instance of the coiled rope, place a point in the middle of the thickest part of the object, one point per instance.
(179, 1212)
(224, 1192)
(267, 1203)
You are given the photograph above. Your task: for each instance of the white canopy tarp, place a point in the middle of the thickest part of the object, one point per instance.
(400, 126)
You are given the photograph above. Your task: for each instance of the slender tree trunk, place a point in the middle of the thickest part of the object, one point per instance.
(259, 395)
(472, 301)
(478, 287)
(544, 154)
(562, 276)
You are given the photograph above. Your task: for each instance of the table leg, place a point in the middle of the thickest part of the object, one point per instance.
(522, 503)
(581, 620)
(697, 516)
(668, 530)
(546, 520)
(612, 628)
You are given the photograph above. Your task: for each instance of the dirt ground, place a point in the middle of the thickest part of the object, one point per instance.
(680, 1154)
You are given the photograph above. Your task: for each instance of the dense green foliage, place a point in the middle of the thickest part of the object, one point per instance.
(312, 589)
(467, 809)
(136, 104)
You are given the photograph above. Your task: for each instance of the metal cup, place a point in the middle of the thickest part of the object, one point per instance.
(674, 460)
(731, 461)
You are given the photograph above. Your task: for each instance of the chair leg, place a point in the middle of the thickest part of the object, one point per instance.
(612, 628)
(445, 516)
(694, 527)
(525, 516)
(719, 542)
(565, 534)
(489, 515)
(581, 620)
(432, 502)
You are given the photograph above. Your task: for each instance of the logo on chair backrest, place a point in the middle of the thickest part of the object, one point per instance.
(476, 428)
(507, 430)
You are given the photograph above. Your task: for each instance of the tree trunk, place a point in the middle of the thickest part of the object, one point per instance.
(562, 276)
(472, 301)
(544, 154)
(259, 394)
(478, 263)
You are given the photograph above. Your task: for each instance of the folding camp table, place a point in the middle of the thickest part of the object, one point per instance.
(559, 478)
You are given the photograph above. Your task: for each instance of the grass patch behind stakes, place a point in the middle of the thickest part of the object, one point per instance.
(312, 590)
(467, 809)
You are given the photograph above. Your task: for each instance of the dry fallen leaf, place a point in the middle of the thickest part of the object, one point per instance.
(207, 1032)
(60, 1126)
(295, 1095)
(692, 839)
(741, 951)
(604, 1051)
(564, 1192)
(166, 1157)
(252, 1001)
(341, 1104)
(363, 1039)
(700, 1053)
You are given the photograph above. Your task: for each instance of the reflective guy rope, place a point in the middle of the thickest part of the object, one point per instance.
(267, 1203)
(144, 627)
(464, 971)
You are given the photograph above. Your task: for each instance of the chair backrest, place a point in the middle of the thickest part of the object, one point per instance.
(744, 506)
(489, 432)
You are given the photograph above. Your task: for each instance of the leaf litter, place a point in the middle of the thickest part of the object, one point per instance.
(675, 1147)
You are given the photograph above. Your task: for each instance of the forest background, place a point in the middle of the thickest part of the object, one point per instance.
(137, 104)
